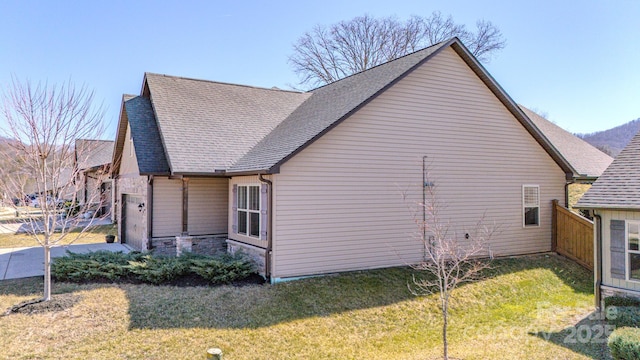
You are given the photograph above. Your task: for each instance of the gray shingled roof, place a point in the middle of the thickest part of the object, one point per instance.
(207, 126)
(92, 153)
(619, 185)
(588, 161)
(325, 108)
(146, 138)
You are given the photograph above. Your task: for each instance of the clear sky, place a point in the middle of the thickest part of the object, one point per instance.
(577, 61)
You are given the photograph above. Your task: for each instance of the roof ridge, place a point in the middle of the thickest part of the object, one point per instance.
(384, 63)
(225, 83)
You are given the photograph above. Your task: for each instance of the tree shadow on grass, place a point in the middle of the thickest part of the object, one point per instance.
(587, 337)
(257, 306)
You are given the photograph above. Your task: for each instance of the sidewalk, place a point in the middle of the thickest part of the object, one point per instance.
(18, 263)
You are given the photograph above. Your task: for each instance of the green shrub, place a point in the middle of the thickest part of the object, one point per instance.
(624, 343)
(223, 269)
(621, 301)
(624, 316)
(92, 266)
(158, 270)
(135, 266)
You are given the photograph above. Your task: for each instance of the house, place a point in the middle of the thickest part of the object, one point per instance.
(614, 200)
(92, 167)
(588, 162)
(310, 182)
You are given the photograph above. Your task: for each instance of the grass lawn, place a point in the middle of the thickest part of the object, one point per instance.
(91, 236)
(525, 308)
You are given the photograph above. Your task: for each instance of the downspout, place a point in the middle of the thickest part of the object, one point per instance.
(598, 261)
(566, 192)
(267, 257)
(424, 210)
(149, 212)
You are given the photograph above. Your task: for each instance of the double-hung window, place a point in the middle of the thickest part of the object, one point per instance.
(633, 250)
(531, 205)
(249, 210)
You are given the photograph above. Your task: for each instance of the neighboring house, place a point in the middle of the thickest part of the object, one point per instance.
(93, 181)
(587, 160)
(311, 182)
(614, 200)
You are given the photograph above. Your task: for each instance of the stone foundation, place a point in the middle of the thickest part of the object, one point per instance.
(256, 254)
(606, 292)
(203, 245)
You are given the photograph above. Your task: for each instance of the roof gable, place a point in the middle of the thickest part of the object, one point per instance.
(331, 104)
(588, 162)
(206, 126)
(619, 185)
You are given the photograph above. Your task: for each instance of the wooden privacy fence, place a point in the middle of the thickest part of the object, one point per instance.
(572, 236)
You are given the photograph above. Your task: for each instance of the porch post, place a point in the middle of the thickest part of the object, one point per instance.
(185, 206)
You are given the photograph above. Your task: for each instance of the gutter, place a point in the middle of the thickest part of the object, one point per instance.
(267, 255)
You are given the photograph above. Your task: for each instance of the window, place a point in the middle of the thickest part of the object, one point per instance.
(249, 211)
(633, 250)
(531, 205)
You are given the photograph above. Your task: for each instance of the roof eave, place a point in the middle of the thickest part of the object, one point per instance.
(608, 207)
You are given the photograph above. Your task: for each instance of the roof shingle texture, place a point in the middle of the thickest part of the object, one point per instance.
(326, 106)
(208, 126)
(91, 153)
(146, 138)
(619, 185)
(586, 160)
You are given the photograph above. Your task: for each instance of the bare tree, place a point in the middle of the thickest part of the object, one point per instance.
(327, 54)
(450, 258)
(41, 124)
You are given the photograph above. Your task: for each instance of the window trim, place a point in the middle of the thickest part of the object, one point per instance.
(249, 211)
(524, 206)
(627, 251)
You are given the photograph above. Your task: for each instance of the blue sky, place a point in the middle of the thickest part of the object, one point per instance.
(577, 61)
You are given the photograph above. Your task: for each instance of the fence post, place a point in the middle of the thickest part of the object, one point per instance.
(554, 225)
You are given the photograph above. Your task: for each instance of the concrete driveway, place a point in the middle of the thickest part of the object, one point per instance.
(18, 263)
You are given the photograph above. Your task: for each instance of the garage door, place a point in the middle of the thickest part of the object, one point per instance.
(133, 221)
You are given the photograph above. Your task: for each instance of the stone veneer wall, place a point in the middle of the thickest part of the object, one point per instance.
(203, 245)
(253, 252)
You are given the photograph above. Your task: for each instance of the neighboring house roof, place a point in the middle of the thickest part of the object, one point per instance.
(209, 128)
(588, 162)
(619, 185)
(93, 153)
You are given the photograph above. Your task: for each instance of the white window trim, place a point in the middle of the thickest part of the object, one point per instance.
(248, 211)
(523, 207)
(627, 263)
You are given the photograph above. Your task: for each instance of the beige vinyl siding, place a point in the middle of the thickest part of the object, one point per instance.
(242, 180)
(338, 203)
(167, 207)
(208, 202)
(129, 161)
(607, 216)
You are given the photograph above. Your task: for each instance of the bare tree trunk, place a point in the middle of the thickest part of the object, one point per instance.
(47, 272)
(445, 324)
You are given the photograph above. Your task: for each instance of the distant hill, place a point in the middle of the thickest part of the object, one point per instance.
(612, 141)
